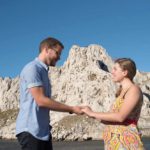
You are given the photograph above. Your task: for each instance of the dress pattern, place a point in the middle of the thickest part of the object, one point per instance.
(123, 136)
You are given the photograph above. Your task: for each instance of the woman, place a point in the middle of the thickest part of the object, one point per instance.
(121, 132)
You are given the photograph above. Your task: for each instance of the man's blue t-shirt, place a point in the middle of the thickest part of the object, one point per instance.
(31, 117)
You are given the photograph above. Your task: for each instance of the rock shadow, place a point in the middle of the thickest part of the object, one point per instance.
(147, 95)
(102, 65)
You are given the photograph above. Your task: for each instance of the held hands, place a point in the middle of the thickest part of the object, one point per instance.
(77, 110)
(87, 110)
(80, 110)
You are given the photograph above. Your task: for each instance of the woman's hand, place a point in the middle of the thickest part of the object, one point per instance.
(87, 110)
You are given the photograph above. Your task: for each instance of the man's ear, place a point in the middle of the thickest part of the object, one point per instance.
(46, 49)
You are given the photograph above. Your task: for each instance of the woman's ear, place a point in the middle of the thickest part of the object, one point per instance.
(125, 72)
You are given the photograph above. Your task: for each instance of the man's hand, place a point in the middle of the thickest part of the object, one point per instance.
(78, 110)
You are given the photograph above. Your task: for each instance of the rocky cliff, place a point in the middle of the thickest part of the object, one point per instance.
(84, 79)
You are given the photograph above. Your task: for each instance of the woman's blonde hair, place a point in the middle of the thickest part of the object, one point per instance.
(129, 65)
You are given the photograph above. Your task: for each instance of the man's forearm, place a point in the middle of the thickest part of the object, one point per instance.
(54, 105)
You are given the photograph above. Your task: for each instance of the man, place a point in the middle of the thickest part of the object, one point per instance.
(32, 127)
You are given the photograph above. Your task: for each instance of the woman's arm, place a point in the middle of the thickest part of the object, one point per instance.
(130, 101)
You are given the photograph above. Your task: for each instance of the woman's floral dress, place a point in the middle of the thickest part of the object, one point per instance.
(123, 136)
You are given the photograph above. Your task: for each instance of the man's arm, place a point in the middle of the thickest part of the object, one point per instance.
(43, 101)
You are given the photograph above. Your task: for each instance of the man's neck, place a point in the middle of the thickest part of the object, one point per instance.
(41, 58)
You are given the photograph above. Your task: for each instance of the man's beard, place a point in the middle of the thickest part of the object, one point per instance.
(53, 63)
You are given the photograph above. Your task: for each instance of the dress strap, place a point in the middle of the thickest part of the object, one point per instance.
(125, 92)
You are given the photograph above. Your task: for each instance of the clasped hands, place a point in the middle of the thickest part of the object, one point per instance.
(80, 110)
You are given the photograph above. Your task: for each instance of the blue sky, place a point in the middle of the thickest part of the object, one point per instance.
(122, 27)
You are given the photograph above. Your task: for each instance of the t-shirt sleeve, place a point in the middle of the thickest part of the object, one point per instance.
(32, 77)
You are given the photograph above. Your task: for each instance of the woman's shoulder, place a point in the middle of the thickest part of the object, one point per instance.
(135, 88)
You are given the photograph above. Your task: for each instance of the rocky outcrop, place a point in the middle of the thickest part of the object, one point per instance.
(9, 93)
(84, 79)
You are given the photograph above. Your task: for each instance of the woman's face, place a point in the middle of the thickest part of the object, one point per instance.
(117, 73)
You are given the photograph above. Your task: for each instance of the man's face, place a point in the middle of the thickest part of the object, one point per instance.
(54, 55)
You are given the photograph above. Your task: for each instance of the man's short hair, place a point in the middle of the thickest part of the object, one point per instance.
(50, 43)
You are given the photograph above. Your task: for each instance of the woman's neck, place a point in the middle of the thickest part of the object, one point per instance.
(126, 83)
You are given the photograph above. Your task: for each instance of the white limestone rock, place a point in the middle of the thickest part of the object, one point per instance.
(84, 79)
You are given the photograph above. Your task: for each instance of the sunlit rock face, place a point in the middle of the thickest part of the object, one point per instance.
(84, 79)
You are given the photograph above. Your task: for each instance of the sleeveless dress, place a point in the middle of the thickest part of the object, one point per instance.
(123, 136)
